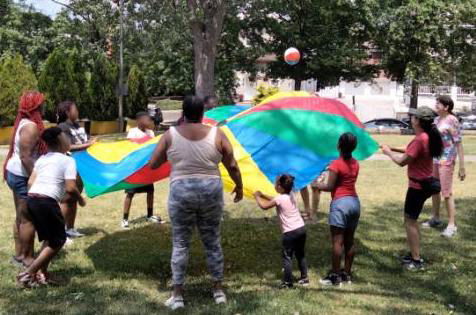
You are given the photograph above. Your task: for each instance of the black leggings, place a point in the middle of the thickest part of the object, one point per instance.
(293, 244)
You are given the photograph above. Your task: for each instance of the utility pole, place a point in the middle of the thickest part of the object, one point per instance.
(121, 67)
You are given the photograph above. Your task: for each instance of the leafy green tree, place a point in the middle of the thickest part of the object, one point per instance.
(26, 31)
(15, 78)
(59, 81)
(137, 99)
(422, 40)
(332, 36)
(102, 89)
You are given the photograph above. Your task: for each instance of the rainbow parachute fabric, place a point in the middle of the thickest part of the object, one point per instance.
(293, 133)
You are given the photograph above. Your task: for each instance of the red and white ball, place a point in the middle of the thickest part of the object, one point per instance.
(292, 56)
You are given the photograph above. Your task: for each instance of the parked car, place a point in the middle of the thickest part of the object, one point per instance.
(468, 123)
(386, 123)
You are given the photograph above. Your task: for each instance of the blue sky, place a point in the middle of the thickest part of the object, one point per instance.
(47, 6)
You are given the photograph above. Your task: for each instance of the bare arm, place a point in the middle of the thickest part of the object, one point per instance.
(399, 150)
(400, 160)
(84, 146)
(72, 189)
(231, 165)
(29, 137)
(159, 156)
(331, 182)
(263, 202)
(32, 179)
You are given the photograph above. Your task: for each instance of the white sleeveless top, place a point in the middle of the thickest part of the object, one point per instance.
(191, 159)
(14, 164)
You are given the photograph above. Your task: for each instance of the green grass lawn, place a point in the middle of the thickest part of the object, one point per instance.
(111, 271)
(469, 142)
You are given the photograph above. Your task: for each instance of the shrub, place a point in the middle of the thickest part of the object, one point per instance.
(15, 78)
(264, 91)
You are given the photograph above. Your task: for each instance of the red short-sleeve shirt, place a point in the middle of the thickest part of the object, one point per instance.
(422, 165)
(347, 172)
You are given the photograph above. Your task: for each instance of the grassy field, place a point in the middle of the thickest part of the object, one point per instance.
(469, 142)
(111, 271)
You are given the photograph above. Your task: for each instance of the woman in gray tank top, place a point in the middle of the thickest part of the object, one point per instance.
(196, 192)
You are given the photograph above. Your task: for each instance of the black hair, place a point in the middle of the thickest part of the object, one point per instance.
(63, 109)
(209, 97)
(436, 142)
(287, 182)
(447, 102)
(142, 114)
(51, 137)
(347, 144)
(193, 108)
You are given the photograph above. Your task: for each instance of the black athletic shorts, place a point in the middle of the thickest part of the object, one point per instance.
(48, 221)
(414, 202)
(143, 189)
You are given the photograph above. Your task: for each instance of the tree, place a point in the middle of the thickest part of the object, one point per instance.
(206, 23)
(137, 99)
(25, 31)
(102, 89)
(332, 36)
(417, 38)
(59, 81)
(15, 78)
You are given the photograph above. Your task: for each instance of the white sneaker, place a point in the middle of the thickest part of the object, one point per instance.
(219, 297)
(69, 241)
(450, 231)
(175, 302)
(73, 233)
(125, 224)
(155, 219)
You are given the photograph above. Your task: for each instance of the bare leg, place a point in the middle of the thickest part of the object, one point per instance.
(451, 209)
(43, 259)
(150, 204)
(178, 290)
(413, 237)
(337, 238)
(73, 212)
(26, 233)
(436, 206)
(316, 197)
(16, 233)
(127, 206)
(349, 249)
(305, 200)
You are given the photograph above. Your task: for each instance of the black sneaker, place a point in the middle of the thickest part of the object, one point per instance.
(408, 259)
(331, 279)
(345, 277)
(286, 285)
(415, 265)
(304, 282)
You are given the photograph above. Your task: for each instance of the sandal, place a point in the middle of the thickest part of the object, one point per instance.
(27, 280)
(219, 296)
(16, 262)
(306, 216)
(43, 278)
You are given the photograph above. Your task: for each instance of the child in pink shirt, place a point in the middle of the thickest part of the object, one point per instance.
(292, 227)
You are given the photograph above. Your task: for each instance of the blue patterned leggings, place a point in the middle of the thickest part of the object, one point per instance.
(196, 201)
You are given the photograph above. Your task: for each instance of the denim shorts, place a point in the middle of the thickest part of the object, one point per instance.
(345, 212)
(18, 184)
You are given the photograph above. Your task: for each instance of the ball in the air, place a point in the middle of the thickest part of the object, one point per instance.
(292, 56)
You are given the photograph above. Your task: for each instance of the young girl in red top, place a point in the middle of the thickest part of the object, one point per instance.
(344, 213)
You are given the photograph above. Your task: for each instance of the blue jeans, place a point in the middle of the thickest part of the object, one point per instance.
(18, 184)
(196, 202)
(345, 212)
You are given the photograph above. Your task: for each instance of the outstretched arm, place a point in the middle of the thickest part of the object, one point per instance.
(400, 160)
(330, 184)
(159, 156)
(263, 201)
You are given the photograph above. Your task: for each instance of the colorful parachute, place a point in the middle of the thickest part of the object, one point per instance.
(293, 133)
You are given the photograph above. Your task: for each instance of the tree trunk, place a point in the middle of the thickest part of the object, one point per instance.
(206, 24)
(297, 84)
(414, 94)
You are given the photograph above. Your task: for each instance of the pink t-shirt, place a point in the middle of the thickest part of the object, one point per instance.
(422, 165)
(288, 213)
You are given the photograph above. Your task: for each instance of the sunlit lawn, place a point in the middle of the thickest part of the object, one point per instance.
(111, 271)
(469, 142)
